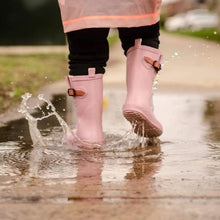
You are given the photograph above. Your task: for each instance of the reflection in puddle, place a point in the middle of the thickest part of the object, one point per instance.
(145, 162)
(212, 117)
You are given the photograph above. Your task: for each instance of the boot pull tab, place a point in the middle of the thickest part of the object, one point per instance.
(156, 64)
(91, 72)
(138, 42)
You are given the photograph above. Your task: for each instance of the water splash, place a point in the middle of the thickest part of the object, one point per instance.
(155, 84)
(33, 122)
(39, 142)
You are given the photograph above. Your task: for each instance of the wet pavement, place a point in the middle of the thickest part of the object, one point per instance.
(176, 178)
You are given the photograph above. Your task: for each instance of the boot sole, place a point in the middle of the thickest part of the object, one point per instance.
(142, 126)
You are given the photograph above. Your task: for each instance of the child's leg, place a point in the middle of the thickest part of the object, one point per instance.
(148, 34)
(143, 63)
(88, 48)
(89, 53)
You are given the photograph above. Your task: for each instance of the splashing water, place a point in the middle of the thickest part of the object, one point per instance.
(124, 143)
(35, 134)
(33, 122)
(38, 142)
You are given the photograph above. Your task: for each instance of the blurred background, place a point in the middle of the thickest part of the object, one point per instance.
(37, 22)
(30, 22)
(192, 17)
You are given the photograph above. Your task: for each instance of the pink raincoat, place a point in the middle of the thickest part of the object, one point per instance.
(80, 14)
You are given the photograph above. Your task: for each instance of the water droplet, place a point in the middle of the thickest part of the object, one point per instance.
(26, 96)
(21, 137)
(176, 54)
(40, 96)
(215, 32)
(156, 82)
(64, 109)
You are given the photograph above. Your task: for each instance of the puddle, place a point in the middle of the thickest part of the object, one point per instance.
(212, 118)
(185, 162)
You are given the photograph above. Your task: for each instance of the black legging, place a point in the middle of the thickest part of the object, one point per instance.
(89, 47)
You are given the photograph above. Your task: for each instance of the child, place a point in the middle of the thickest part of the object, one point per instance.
(86, 24)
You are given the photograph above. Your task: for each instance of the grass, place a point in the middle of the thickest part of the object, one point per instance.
(28, 73)
(112, 39)
(208, 34)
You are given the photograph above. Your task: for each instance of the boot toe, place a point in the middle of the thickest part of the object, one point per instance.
(74, 139)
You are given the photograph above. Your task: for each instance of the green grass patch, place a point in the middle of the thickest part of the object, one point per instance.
(113, 39)
(27, 73)
(208, 34)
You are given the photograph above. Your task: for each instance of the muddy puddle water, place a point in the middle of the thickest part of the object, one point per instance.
(184, 164)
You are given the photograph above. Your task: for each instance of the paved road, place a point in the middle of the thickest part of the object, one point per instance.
(188, 62)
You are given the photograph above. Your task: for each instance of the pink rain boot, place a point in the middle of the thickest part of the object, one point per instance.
(143, 63)
(87, 92)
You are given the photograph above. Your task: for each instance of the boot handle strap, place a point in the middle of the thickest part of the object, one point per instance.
(74, 92)
(156, 64)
